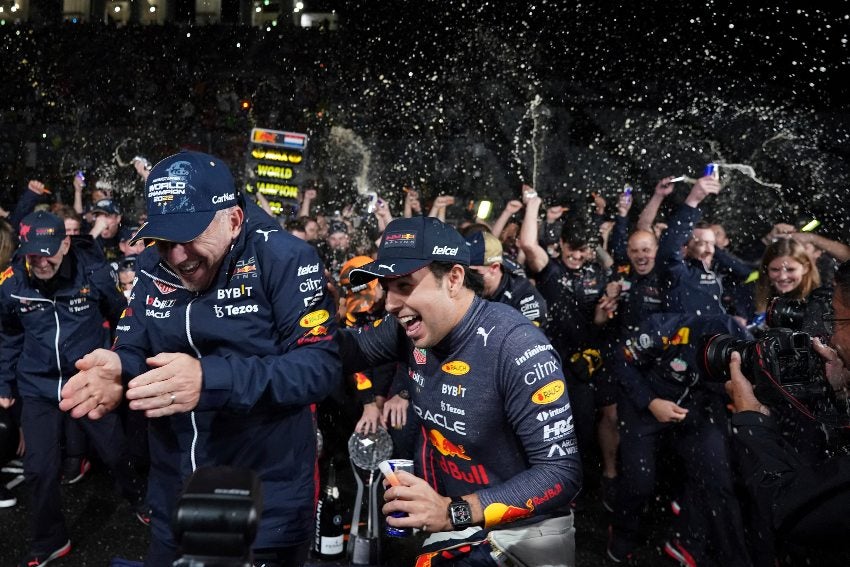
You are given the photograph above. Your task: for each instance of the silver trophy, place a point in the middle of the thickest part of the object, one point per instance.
(366, 451)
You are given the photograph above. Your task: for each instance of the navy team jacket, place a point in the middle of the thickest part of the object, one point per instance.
(263, 334)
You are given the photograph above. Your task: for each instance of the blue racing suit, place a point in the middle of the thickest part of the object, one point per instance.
(263, 334)
(45, 331)
(492, 404)
(522, 295)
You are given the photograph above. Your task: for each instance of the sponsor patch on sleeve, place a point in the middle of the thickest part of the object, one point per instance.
(549, 393)
(314, 318)
(500, 513)
(7, 273)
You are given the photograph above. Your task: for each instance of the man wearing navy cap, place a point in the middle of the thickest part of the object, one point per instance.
(125, 236)
(53, 301)
(107, 223)
(500, 285)
(498, 452)
(225, 344)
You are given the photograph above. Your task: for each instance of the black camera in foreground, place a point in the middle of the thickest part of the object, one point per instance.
(781, 355)
(808, 315)
(783, 367)
(217, 518)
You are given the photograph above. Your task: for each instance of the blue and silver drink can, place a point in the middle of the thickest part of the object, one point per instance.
(405, 465)
(712, 170)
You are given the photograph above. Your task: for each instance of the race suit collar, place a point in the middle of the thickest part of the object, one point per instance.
(462, 331)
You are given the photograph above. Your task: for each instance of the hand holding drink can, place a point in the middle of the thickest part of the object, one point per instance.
(388, 468)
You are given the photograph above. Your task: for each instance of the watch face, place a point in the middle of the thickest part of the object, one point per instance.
(461, 513)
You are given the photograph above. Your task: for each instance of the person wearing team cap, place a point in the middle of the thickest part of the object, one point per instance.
(499, 455)
(359, 305)
(125, 237)
(500, 285)
(225, 344)
(106, 227)
(53, 301)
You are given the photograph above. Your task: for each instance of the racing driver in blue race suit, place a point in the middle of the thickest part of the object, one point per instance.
(499, 462)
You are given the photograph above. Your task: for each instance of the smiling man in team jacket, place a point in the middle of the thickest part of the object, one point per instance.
(498, 451)
(225, 344)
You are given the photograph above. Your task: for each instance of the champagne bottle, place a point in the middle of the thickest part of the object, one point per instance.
(329, 533)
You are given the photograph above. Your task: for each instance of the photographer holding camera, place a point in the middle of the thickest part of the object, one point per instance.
(804, 503)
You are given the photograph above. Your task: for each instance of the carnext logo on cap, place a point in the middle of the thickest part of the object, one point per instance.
(400, 239)
(223, 198)
(444, 251)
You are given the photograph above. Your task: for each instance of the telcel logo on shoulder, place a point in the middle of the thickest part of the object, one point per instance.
(305, 270)
(223, 198)
(444, 251)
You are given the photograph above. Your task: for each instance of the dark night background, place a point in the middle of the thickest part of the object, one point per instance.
(462, 98)
(465, 98)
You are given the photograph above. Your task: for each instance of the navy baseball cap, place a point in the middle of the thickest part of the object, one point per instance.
(484, 249)
(337, 226)
(41, 233)
(125, 233)
(410, 244)
(184, 192)
(107, 206)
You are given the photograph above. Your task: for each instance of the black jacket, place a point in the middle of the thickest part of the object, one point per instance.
(805, 504)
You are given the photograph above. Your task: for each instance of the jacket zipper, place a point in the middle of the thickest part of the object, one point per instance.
(55, 340)
(192, 413)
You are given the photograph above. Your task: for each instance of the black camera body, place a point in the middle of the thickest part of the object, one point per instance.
(805, 315)
(217, 518)
(783, 367)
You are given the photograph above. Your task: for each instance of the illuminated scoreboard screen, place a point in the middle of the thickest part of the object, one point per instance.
(276, 161)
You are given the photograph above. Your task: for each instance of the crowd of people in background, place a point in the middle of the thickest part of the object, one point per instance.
(624, 299)
(623, 296)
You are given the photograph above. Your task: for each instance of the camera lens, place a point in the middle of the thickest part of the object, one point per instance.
(717, 352)
(784, 312)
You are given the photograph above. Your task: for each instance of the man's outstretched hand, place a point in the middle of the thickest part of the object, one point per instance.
(96, 389)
